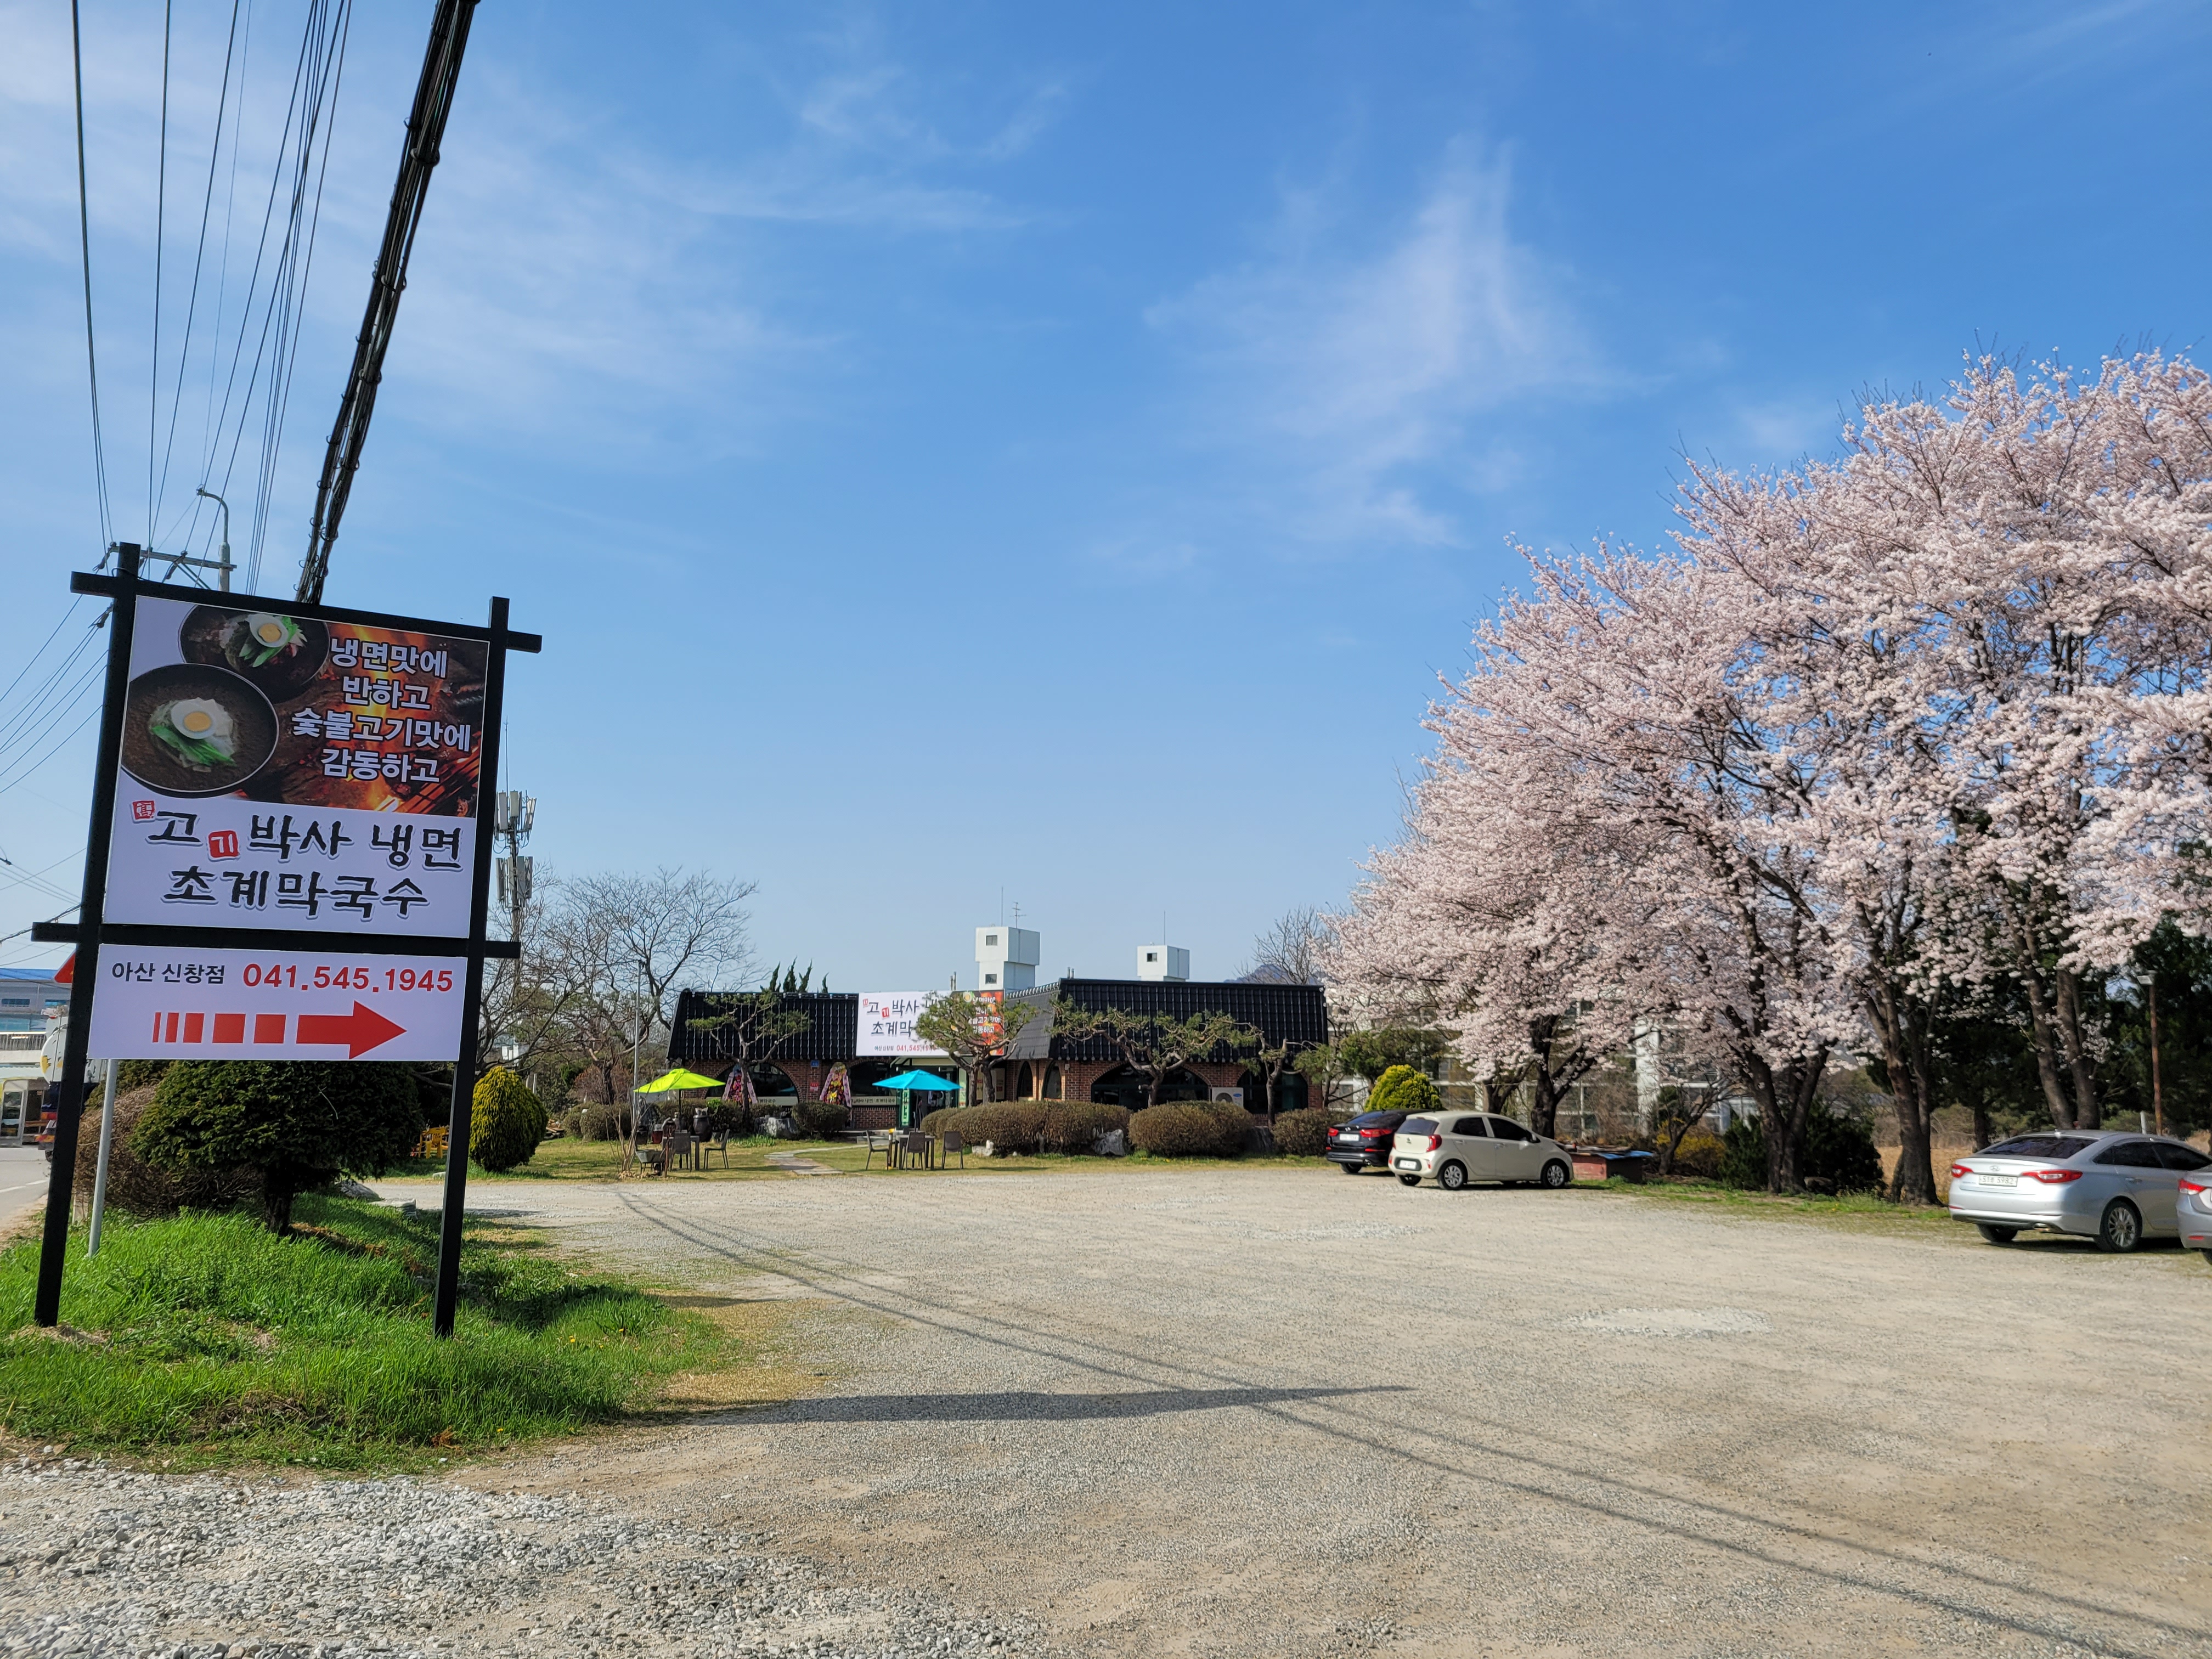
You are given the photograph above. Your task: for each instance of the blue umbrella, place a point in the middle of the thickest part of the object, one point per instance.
(906, 1083)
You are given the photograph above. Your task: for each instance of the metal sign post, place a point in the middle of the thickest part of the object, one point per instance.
(287, 856)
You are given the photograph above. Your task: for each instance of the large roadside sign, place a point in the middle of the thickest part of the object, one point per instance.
(285, 860)
(280, 770)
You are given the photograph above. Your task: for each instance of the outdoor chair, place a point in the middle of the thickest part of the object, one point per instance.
(877, 1141)
(953, 1146)
(675, 1147)
(721, 1143)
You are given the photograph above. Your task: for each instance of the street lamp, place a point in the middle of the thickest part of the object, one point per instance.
(223, 567)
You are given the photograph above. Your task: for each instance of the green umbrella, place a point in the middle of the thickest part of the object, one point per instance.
(679, 1078)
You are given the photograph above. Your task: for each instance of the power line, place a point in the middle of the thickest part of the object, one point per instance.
(29, 661)
(329, 53)
(84, 248)
(160, 224)
(199, 256)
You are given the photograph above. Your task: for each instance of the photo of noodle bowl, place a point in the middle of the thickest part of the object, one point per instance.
(192, 729)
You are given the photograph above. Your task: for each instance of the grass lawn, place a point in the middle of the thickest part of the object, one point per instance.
(206, 1339)
(1853, 1209)
(564, 1159)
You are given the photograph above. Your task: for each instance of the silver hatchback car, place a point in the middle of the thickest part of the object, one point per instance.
(1457, 1147)
(2118, 1188)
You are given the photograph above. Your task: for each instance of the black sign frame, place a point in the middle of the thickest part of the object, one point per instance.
(126, 588)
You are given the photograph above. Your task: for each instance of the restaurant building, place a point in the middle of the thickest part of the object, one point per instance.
(1039, 1064)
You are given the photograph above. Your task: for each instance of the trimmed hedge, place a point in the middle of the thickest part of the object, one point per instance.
(137, 1188)
(1074, 1126)
(1191, 1129)
(1402, 1088)
(297, 1122)
(1028, 1126)
(1303, 1134)
(506, 1121)
(818, 1120)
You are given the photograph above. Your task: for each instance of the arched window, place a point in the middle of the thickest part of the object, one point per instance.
(1126, 1087)
(1025, 1083)
(1052, 1082)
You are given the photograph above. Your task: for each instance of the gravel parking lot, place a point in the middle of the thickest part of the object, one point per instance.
(1280, 1411)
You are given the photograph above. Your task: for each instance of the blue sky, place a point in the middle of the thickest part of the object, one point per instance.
(961, 448)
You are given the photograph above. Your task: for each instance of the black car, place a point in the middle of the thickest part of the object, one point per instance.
(1363, 1142)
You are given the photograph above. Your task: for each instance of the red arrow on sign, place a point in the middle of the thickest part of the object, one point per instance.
(358, 1032)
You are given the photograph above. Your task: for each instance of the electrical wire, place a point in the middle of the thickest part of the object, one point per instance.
(161, 236)
(30, 661)
(199, 256)
(304, 104)
(328, 55)
(84, 248)
(36, 879)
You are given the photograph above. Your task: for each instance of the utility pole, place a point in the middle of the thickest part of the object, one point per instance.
(512, 815)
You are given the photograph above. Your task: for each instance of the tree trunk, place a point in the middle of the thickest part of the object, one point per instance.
(1544, 1103)
(2078, 1062)
(1785, 1104)
(278, 1184)
(2043, 1020)
(1905, 1053)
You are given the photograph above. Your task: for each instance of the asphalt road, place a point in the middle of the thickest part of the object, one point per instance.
(22, 1182)
(1275, 1412)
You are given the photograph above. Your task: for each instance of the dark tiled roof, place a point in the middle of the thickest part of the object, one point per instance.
(1297, 1014)
(832, 1030)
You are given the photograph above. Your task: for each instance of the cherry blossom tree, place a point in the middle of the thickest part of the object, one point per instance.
(1871, 734)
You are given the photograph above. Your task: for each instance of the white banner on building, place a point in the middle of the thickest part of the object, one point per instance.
(887, 1025)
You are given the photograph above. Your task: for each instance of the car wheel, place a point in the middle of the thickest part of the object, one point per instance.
(1409, 1181)
(1452, 1177)
(1557, 1175)
(1997, 1235)
(2121, 1229)
(1349, 1169)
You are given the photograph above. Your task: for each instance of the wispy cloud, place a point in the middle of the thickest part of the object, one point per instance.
(1363, 382)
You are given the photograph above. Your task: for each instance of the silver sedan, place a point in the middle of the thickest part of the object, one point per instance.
(2118, 1188)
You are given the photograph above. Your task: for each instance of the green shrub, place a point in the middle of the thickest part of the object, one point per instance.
(139, 1074)
(1010, 1125)
(1837, 1149)
(137, 1188)
(818, 1120)
(506, 1121)
(1189, 1131)
(1700, 1154)
(1303, 1134)
(1074, 1126)
(1402, 1088)
(597, 1123)
(298, 1122)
